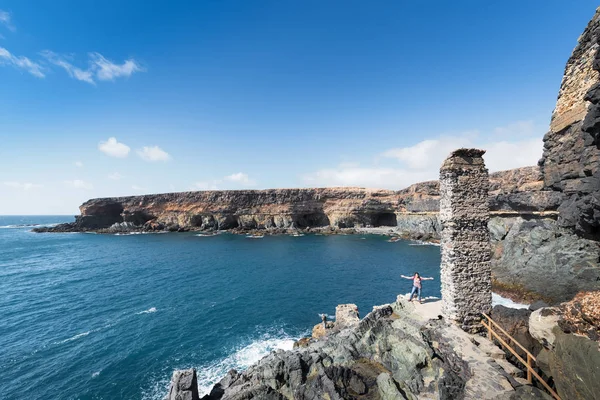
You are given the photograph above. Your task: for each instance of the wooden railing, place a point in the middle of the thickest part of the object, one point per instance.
(491, 327)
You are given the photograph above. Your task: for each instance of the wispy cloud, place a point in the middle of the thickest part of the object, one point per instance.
(153, 153)
(74, 72)
(79, 184)
(6, 20)
(238, 180)
(139, 188)
(113, 148)
(78, 164)
(421, 161)
(115, 176)
(106, 70)
(23, 185)
(20, 62)
(100, 68)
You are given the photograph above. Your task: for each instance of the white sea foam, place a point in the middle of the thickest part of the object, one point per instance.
(240, 359)
(503, 301)
(329, 317)
(78, 336)
(95, 374)
(421, 243)
(148, 311)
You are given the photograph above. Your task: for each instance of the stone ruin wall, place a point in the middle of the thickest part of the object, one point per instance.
(465, 241)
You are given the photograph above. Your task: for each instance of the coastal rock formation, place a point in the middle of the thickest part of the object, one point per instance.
(571, 160)
(571, 352)
(533, 257)
(412, 210)
(393, 353)
(184, 386)
(464, 214)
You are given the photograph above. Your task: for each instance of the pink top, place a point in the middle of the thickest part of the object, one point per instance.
(417, 282)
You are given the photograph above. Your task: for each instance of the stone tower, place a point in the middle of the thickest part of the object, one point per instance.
(465, 242)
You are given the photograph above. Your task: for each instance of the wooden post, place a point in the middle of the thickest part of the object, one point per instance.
(529, 379)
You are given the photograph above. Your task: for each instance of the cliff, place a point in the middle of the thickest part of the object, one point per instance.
(571, 161)
(517, 191)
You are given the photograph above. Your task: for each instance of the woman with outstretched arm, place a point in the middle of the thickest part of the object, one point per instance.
(416, 278)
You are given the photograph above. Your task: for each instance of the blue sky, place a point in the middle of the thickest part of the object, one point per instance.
(127, 97)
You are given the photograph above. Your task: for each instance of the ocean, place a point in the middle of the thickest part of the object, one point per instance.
(86, 316)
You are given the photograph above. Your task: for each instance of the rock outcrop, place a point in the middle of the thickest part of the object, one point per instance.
(533, 257)
(184, 386)
(571, 160)
(393, 353)
(571, 352)
(464, 214)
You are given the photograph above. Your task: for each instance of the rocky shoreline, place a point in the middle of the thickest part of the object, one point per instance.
(404, 350)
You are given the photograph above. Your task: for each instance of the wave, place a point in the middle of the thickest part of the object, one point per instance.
(421, 243)
(148, 311)
(17, 226)
(329, 317)
(498, 300)
(79, 335)
(240, 359)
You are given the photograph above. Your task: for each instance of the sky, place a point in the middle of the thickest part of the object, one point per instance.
(112, 98)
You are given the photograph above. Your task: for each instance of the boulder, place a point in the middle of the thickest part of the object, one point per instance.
(542, 325)
(184, 386)
(516, 323)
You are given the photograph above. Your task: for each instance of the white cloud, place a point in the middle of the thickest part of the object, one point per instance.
(113, 148)
(74, 72)
(207, 185)
(115, 176)
(79, 184)
(240, 178)
(106, 70)
(78, 164)
(421, 161)
(99, 68)
(23, 185)
(371, 177)
(6, 20)
(139, 188)
(21, 62)
(233, 181)
(153, 153)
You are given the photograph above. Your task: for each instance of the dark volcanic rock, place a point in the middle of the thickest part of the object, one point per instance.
(393, 353)
(184, 386)
(537, 255)
(516, 323)
(571, 160)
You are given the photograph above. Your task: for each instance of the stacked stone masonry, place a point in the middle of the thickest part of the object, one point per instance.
(465, 242)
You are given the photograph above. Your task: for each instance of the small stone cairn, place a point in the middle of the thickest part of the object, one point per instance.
(465, 243)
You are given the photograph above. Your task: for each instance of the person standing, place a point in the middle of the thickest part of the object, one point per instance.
(417, 286)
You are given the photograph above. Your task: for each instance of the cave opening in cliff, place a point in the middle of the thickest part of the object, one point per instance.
(384, 219)
(311, 220)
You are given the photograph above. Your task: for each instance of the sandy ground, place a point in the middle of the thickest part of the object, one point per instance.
(429, 309)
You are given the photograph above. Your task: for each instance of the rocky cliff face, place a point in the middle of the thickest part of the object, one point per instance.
(514, 191)
(571, 160)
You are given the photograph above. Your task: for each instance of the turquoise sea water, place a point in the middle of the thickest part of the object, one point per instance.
(86, 316)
